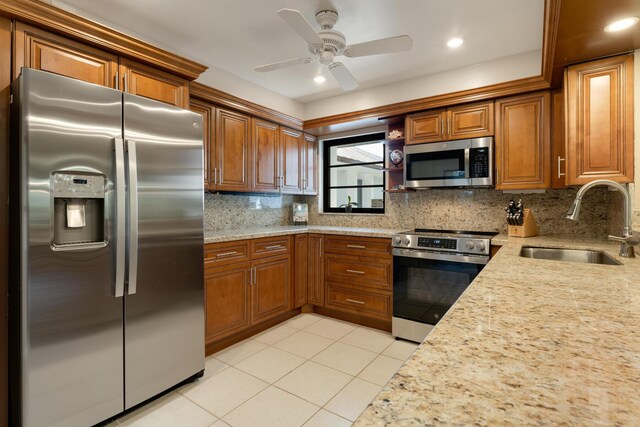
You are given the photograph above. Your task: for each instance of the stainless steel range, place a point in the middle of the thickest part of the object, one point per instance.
(431, 269)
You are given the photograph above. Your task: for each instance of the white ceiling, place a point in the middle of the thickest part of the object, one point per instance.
(238, 35)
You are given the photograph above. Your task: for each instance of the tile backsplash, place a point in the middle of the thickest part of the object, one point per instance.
(457, 209)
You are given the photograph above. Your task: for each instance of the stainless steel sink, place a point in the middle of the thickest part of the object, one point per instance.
(569, 255)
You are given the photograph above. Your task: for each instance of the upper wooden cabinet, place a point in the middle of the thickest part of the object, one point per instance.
(599, 120)
(41, 50)
(266, 156)
(231, 152)
(523, 148)
(292, 145)
(464, 121)
(207, 112)
(142, 80)
(310, 168)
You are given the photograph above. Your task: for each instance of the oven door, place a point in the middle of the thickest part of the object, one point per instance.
(437, 165)
(427, 284)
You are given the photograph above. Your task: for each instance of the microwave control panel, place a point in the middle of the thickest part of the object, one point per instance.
(479, 162)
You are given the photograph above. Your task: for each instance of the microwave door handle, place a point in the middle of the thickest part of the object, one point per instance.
(133, 215)
(120, 218)
(467, 161)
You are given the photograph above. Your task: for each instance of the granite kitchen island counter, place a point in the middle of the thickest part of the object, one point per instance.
(530, 342)
(217, 236)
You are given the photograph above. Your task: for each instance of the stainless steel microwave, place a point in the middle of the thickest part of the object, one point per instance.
(462, 163)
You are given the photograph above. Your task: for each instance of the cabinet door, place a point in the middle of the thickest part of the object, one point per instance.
(270, 292)
(470, 121)
(426, 127)
(232, 152)
(523, 149)
(291, 160)
(226, 300)
(149, 82)
(315, 269)
(310, 175)
(558, 154)
(599, 117)
(35, 48)
(208, 112)
(265, 156)
(301, 269)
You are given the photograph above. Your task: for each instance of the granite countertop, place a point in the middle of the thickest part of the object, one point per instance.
(530, 342)
(217, 236)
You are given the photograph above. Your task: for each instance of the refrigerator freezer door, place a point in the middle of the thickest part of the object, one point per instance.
(70, 363)
(164, 312)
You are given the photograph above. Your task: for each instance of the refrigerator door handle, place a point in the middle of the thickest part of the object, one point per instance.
(120, 218)
(133, 216)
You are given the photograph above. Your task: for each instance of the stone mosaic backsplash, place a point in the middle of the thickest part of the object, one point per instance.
(227, 211)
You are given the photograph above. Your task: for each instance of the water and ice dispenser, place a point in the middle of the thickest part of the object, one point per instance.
(78, 209)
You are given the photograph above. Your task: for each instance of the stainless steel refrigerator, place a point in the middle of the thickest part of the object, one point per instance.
(107, 260)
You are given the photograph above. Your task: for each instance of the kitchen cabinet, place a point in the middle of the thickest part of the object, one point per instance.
(266, 156)
(459, 122)
(315, 270)
(599, 120)
(42, 50)
(142, 80)
(231, 152)
(292, 144)
(270, 293)
(207, 112)
(523, 148)
(226, 300)
(558, 156)
(310, 166)
(301, 268)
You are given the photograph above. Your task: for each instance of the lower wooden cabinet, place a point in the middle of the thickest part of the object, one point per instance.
(315, 270)
(359, 301)
(301, 268)
(271, 287)
(226, 300)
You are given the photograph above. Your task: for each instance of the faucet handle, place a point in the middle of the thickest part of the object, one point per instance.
(629, 240)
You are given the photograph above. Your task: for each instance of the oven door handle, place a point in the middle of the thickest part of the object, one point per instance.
(438, 256)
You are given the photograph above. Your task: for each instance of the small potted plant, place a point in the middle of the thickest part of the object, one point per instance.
(349, 205)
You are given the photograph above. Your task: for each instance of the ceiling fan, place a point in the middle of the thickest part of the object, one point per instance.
(328, 43)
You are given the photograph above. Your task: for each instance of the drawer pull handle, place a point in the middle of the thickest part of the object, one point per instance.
(355, 301)
(356, 247)
(227, 253)
(274, 247)
(355, 272)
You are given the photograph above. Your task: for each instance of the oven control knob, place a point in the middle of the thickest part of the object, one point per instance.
(407, 241)
(470, 245)
(397, 240)
(480, 246)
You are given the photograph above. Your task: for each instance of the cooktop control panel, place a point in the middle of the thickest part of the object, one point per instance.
(428, 242)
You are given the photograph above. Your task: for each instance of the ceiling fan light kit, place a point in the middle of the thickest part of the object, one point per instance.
(328, 43)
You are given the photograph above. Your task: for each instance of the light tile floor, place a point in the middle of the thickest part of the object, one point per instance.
(311, 370)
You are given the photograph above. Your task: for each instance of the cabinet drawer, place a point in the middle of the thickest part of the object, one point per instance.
(359, 271)
(367, 246)
(270, 246)
(226, 253)
(360, 302)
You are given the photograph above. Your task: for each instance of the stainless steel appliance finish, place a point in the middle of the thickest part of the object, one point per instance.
(461, 163)
(80, 328)
(431, 269)
(568, 255)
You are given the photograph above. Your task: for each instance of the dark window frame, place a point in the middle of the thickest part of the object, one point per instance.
(326, 173)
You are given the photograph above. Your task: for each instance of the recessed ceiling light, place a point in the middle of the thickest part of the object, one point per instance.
(622, 24)
(457, 42)
(319, 79)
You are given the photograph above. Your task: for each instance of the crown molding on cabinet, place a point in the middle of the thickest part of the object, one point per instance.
(224, 99)
(62, 22)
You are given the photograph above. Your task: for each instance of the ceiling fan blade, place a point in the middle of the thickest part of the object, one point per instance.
(343, 76)
(283, 64)
(377, 47)
(299, 23)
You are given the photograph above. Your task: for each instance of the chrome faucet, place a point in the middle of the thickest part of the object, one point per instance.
(627, 241)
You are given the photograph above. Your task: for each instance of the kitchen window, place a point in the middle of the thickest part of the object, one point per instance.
(354, 171)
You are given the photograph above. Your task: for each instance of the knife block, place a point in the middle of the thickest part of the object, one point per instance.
(528, 228)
